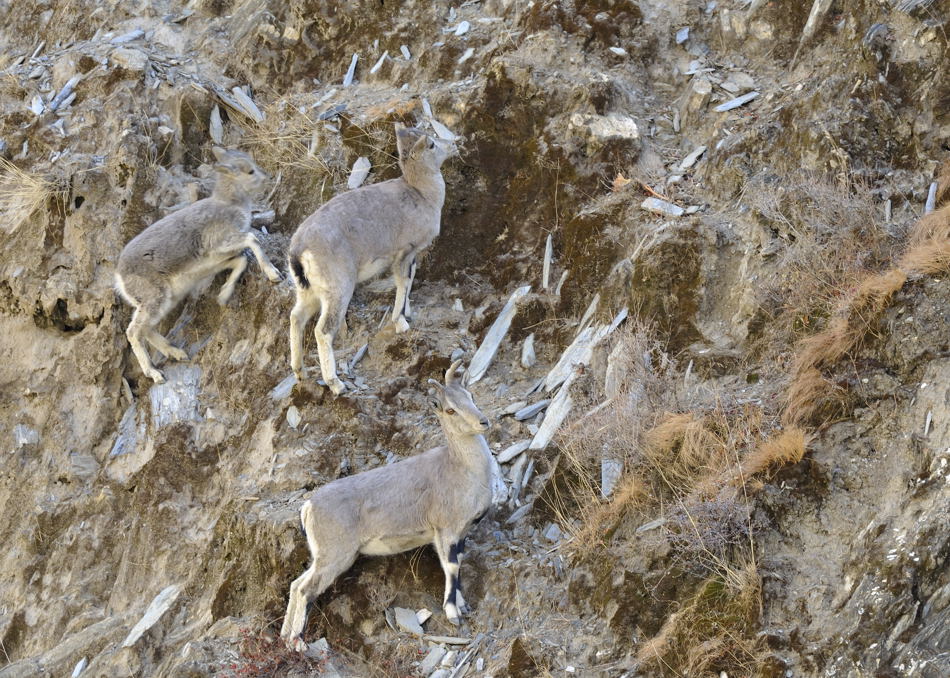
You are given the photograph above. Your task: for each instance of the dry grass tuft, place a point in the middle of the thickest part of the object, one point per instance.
(929, 250)
(810, 394)
(285, 140)
(22, 193)
(593, 524)
(872, 297)
(788, 447)
(682, 448)
(714, 631)
(824, 348)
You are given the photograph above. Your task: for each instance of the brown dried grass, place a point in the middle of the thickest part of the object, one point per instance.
(788, 447)
(682, 448)
(285, 140)
(22, 193)
(929, 250)
(714, 631)
(810, 393)
(595, 523)
(828, 234)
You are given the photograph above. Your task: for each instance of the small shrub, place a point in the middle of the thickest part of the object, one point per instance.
(262, 656)
(703, 535)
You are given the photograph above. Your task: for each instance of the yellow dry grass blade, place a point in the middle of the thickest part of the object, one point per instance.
(21, 194)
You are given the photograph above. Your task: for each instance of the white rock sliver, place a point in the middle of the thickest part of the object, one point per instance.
(159, 606)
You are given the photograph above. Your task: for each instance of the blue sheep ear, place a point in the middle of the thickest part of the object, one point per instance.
(421, 144)
(219, 153)
(405, 137)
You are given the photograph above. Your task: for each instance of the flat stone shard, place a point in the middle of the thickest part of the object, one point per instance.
(499, 490)
(557, 412)
(448, 640)
(247, 105)
(931, 203)
(528, 357)
(431, 660)
(817, 13)
(159, 606)
(692, 158)
(128, 37)
(351, 71)
(552, 533)
(293, 416)
(65, 92)
(379, 63)
(130, 432)
(407, 621)
(132, 60)
(359, 173)
(610, 470)
(663, 207)
(735, 103)
(24, 436)
(519, 514)
(318, 648)
(284, 388)
(546, 267)
(215, 126)
(695, 100)
(531, 410)
(496, 334)
(512, 451)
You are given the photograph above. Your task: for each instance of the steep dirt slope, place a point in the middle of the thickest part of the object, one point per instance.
(570, 114)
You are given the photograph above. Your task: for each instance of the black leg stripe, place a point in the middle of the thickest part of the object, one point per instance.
(455, 550)
(451, 598)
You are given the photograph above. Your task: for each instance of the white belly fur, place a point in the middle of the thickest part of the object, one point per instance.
(387, 546)
(184, 281)
(373, 268)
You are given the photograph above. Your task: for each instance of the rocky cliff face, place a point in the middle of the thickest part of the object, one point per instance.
(152, 530)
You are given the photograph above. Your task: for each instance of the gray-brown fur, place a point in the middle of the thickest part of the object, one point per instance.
(431, 498)
(170, 258)
(360, 234)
